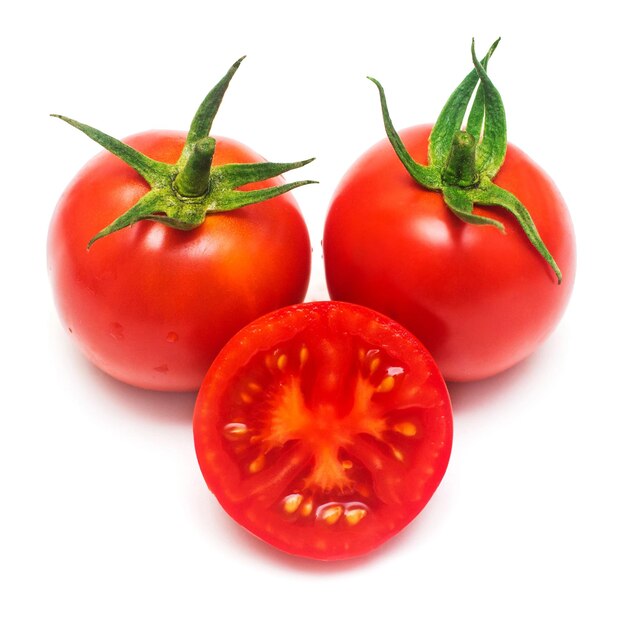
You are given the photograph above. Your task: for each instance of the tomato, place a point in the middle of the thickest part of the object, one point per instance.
(166, 245)
(323, 428)
(479, 300)
(455, 233)
(152, 305)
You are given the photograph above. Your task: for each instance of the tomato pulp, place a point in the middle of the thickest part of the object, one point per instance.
(480, 300)
(323, 428)
(152, 305)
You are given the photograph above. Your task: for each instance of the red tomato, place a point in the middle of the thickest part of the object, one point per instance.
(152, 305)
(323, 428)
(479, 300)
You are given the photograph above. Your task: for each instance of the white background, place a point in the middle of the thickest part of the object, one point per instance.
(106, 519)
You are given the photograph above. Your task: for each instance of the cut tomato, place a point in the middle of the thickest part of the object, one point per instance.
(323, 428)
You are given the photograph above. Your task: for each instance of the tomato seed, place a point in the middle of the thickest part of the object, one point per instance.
(292, 502)
(386, 384)
(406, 428)
(355, 515)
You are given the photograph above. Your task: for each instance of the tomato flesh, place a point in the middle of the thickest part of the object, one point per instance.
(323, 429)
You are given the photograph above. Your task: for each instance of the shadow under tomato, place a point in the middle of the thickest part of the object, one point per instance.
(241, 539)
(160, 406)
(467, 397)
(155, 406)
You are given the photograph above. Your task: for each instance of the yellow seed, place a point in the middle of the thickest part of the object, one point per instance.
(347, 464)
(269, 361)
(306, 507)
(254, 386)
(374, 363)
(386, 384)
(331, 514)
(397, 454)
(304, 355)
(407, 429)
(245, 397)
(258, 464)
(361, 354)
(235, 430)
(282, 362)
(355, 515)
(292, 502)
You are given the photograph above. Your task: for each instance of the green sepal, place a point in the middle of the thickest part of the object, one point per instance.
(492, 147)
(229, 199)
(489, 194)
(451, 117)
(460, 203)
(463, 170)
(238, 174)
(151, 170)
(476, 117)
(152, 205)
(425, 176)
(182, 195)
(203, 119)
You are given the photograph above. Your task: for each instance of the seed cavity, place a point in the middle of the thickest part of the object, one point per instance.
(292, 502)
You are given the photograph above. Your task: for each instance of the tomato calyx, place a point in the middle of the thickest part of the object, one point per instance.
(182, 195)
(462, 163)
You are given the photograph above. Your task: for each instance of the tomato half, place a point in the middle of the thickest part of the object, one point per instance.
(480, 300)
(152, 305)
(323, 428)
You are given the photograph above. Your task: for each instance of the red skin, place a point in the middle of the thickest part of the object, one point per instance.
(152, 305)
(479, 300)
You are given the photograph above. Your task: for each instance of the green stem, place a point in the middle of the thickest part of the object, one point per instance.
(460, 169)
(193, 180)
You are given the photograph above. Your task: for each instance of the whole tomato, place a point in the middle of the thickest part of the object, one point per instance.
(152, 304)
(427, 253)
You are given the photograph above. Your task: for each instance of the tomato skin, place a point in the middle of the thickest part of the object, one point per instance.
(400, 486)
(479, 300)
(152, 305)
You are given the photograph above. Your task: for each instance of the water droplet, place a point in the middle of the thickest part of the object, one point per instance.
(117, 331)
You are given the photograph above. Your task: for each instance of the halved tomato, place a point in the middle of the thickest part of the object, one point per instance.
(323, 428)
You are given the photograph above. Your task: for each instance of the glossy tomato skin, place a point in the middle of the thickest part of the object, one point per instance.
(481, 301)
(323, 428)
(152, 305)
